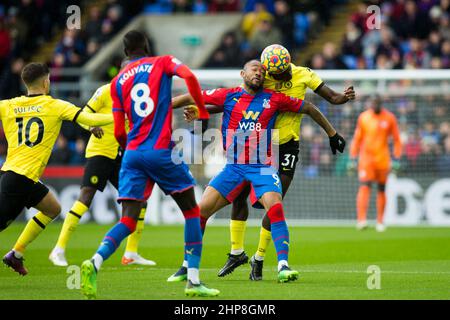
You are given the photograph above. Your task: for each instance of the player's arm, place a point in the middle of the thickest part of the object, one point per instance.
(290, 104)
(119, 118)
(397, 140)
(357, 139)
(68, 111)
(174, 67)
(334, 97)
(315, 83)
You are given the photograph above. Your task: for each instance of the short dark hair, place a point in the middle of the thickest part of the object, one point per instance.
(33, 71)
(135, 41)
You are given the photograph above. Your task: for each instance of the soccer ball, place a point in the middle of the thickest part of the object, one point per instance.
(275, 59)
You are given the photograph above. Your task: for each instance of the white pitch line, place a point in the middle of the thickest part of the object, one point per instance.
(156, 268)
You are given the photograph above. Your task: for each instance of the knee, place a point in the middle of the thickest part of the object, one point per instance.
(381, 187)
(276, 212)
(240, 210)
(130, 223)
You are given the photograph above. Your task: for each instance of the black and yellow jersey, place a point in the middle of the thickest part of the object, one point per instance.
(288, 123)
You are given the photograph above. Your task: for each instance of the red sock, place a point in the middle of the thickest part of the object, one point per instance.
(276, 213)
(381, 205)
(362, 202)
(203, 221)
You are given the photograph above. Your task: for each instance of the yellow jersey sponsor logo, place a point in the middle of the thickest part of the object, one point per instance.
(250, 115)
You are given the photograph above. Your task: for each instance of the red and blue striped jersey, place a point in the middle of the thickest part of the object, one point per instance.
(248, 121)
(142, 90)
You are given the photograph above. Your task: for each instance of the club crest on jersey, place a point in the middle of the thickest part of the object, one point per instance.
(266, 104)
(250, 115)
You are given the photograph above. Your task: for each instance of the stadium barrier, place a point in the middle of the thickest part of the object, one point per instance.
(323, 191)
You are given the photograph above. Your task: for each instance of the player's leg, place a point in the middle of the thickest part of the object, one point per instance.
(267, 190)
(78, 209)
(131, 255)
(366, 175)
(288, 159)
(238, 223)
(134, 189)
(381, 199)
(49, 209)
(211, 202)
(221, 191)
(265, 236)
(97, 171)
(175, 179)
(193, 243)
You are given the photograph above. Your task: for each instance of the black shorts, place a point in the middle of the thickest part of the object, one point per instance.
(99, 170)
(288, 157)
(16, 193)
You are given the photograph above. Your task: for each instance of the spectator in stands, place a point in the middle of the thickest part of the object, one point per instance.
(434, 44)
(265, 34)
(78, 155)
(17, 31)
(284, 21)
(416, 57)
(5, 44)
(445, 57)
(252, 20)
(331, 58)
(317, 61)
(223, 6)
(351, 44)
(443, 162)
(228, 54)
(94, 23)
(61, 153)
(10, 80)
(181, 6)
(107, 32)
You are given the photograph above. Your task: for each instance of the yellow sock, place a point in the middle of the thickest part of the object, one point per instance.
(237, 234)
(135, 237)
(265, 236)
(71, 223)
(33, 228)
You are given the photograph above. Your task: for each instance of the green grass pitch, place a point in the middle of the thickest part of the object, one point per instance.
(333, 262)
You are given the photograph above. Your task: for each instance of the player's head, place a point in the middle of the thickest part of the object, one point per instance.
(375, 103)
(36, 77)
(135, 43)
(276, 59)
(253, 75)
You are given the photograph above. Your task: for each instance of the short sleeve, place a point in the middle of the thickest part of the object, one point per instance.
(96, 101)
(67, 111)
(3, 104)
(285, 103)
(171, 64)
(314, 81)
(215, 97)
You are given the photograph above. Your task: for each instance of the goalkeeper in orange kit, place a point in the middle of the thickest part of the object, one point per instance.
(371, 143)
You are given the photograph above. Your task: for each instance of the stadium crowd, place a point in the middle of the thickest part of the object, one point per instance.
(413, 34)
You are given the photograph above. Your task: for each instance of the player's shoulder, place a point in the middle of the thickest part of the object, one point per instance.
(60, 103)
(301, 70)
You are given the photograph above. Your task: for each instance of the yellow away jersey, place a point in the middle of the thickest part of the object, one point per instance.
(31, 125)
(288, 123)
(107, 145)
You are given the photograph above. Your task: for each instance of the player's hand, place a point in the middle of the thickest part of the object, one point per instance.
(97, 132)
(191, 113)
(337, 142)
(395, 166)
(352, 165)
(350, 93)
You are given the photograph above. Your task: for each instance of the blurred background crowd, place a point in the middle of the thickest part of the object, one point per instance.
(413, 35)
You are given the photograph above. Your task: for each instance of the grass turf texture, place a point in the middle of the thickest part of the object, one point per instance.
(333, 262)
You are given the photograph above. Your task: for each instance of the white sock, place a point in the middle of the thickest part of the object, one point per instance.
(282, 263)
(17, 254)
(58, 250)
(258, 257)
(193, 275)
(236, 251)
(130, 255)
(185, 263)
(98, 260)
